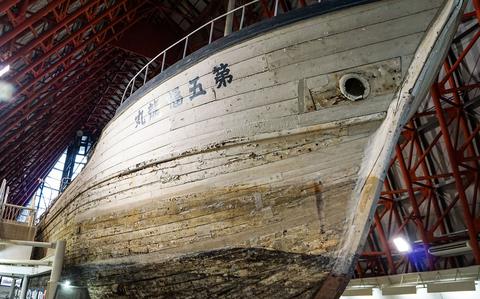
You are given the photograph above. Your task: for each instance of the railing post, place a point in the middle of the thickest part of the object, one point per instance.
(31, 217)
(211, 33)
(133, 84)
(2, 189)
(32, 212)
(123, 95)
(3, 196)
(146, 74)
(185, 48)
(276, 8)
(163, 61)
(229, 18)
(242, 18)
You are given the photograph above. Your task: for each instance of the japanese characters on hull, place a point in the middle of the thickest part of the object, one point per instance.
(175, 98)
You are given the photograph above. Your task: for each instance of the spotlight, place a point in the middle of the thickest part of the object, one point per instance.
(402, 245)
(4, 70)
(67, 283)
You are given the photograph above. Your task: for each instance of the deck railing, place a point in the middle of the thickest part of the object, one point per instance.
(13, 213)
(141, 77)
(18, 214)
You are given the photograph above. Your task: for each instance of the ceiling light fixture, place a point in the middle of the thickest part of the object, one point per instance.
(4, 70)
(402, 245)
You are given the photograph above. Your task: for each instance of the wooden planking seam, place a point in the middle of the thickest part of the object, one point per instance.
(137, 202)
(262, 88)
(197, 215)
(161, 211)
(69, 190)
(164, 234)
(384, 15)
(300, 215)
(357, 37)
(346, 140)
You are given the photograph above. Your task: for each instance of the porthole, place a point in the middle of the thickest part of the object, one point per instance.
(354, 87)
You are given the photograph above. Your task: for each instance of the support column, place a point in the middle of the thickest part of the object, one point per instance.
(67, 173)
(56, 269)
(23, 292)
(11, 294)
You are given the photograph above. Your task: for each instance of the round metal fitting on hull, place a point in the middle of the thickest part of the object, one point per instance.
(354, 87)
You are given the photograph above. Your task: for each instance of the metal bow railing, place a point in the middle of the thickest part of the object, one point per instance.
(140, 78)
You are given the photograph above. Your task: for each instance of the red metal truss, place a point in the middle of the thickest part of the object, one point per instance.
(56, 110)
(431, 192)
(68, 75)
(65, 115)
(64, 62)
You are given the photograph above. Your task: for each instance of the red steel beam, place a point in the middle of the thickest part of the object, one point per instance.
(79, 74)
(10, 35)
(7, 4)
(64, 135)
(60, 113)
(472, 231)
(67, 99)
(37, 41)
(384, 241)
(24, 103)
(65, 59)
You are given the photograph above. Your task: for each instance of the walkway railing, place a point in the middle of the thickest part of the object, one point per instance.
(14, 213)
(18, 214)
(140, 78)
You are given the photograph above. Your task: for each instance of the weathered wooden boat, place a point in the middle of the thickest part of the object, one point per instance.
(251, 167)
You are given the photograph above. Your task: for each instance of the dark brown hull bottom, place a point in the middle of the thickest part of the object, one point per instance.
(226, 273)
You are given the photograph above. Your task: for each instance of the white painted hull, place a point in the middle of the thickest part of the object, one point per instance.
(249, 187)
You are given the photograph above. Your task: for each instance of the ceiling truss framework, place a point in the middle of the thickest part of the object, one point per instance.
(431, 193)
(68, 73)
(71, 60)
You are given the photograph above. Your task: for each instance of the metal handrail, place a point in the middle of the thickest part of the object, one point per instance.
(144, 69)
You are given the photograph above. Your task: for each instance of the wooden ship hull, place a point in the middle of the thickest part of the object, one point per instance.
(252, 171)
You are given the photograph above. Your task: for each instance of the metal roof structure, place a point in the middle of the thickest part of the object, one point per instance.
(70, 61)
(431, 194)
